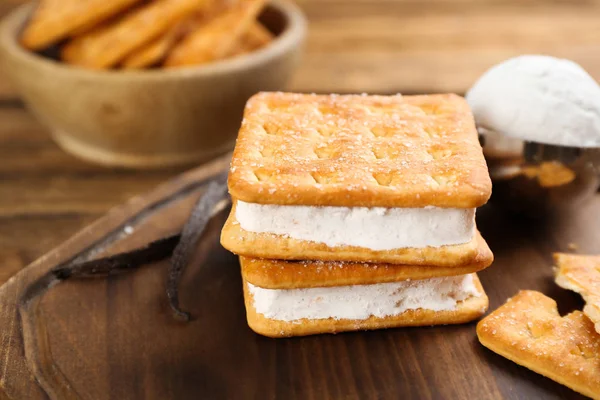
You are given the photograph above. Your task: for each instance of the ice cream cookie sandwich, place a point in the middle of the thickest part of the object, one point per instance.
(382, 179)
(280, 274)
(308, 311)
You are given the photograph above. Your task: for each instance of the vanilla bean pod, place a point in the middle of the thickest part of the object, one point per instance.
(111, 265)
(214, 200)
(181, 246)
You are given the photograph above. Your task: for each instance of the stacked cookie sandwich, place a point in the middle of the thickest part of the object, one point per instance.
(357, 212)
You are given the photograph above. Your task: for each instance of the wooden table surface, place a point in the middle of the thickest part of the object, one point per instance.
(353, 46)
(116, 338)
(378, 46)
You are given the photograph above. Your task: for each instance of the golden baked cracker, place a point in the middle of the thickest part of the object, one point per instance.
(353, 150)
(550, 174)
(279, 274)
(466, 311)
(257, 36)
(217, 37)
(106, 46)
(581, 274)
(268, 245)
(529, 331)
(54, 20)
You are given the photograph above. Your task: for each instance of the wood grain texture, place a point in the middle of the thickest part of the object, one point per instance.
(46, 195)
(437, 45)
(354, 46)
(15, 379)
(115, 338)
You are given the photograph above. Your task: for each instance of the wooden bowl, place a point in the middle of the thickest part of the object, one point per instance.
(150, 118)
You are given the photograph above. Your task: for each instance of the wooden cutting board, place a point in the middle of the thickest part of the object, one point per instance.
(114, 338)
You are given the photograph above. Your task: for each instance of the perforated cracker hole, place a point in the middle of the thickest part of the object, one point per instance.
(378, 131)
(431, 109)
(388, 151)
(378, 154)
(383, 179)
(584, 351)
(441, 180)
(270, 128)
(319, 178)
(431, 132)
(325, 109)
(538, 329)
(434, 182)
(324, 131)
(262, 176)
(323, 153)
(266, 152)
(310, 179)
(440, 154)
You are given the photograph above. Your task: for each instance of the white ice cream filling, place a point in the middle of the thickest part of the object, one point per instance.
(360, 302)
(375, 228)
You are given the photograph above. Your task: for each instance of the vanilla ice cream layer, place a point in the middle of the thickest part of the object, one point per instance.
(374, 228)
(362, 301)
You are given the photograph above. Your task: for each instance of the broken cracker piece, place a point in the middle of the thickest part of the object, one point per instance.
(54, 20)
(106, 46)
(581, 274)
(529, 331)
(216, 38)
(550, 174)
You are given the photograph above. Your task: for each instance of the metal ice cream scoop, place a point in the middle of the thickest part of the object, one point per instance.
(541, 177)
(540, 117)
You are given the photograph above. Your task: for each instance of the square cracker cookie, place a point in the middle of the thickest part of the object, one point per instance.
(279, 274)
(581, 274)
(355, 150)
(529, 331)
(268, 245)
(466, 311)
